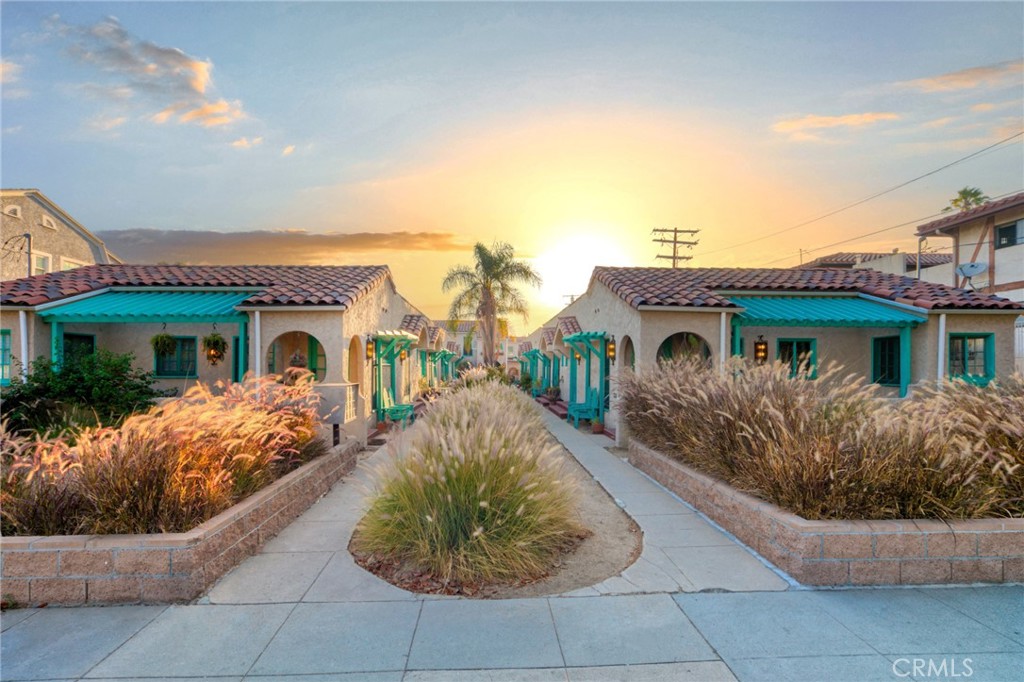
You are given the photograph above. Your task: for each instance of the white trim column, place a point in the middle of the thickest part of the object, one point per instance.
(940, 367)
(257, 344)
(723, 344)
(23, 333)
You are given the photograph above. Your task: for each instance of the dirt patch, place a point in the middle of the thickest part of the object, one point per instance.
(613, 544)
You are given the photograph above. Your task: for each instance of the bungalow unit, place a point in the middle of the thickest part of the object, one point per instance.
(895, 330)
(465, 342)
(346, 324)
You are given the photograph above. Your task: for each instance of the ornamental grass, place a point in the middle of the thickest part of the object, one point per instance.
(475, 493)
(832, 447)
(166, 470)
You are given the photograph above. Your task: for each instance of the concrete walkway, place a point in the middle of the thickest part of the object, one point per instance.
(303, 611)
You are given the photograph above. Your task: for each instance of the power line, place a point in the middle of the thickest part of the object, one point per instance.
(866, 199)
(884, 229)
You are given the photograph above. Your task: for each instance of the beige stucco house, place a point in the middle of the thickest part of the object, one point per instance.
(38, 237)
(895, 330)
(346, 324)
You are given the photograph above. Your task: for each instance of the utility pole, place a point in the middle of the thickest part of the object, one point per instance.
(675, 242)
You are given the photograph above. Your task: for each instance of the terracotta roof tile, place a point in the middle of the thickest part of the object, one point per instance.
(433, 334)
(850, 258)
(961, 217)
(414, 323)
(548, 334)
(525, 347)
(453, 347)
(709, 287)
(569, 325)
(335, 285)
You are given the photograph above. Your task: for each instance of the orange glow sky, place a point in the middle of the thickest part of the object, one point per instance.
(402, 134)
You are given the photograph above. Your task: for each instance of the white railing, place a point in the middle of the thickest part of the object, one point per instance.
(351, 401)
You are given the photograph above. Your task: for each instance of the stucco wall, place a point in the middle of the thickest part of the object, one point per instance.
(60, 242)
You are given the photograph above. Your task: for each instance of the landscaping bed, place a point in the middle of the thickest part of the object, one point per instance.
(889, 552)
(162, 567)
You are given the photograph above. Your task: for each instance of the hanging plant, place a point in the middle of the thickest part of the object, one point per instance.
(215, 346)
(163, 344)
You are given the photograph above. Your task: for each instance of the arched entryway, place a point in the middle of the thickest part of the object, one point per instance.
(684, 345)
(356, 364)
(296, 349)
(627, 353)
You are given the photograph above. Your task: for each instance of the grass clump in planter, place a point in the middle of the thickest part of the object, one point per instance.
(475, 494)
(831, 447)
(166, 470)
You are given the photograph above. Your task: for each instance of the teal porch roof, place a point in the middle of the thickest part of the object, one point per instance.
(820, 311)
(151, 306)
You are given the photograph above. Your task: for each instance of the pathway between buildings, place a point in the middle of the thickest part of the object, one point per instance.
(695, 606)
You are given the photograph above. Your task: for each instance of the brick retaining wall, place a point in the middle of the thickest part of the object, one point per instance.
(904, 552)
(162, 568)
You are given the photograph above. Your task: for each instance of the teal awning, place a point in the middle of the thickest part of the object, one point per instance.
(820, 311)
(151, 306)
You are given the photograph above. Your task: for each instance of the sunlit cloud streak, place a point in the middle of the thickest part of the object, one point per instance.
(989, 77)
(284, 247)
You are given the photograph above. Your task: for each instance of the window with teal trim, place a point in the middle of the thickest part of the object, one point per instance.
(800, 355)
(885, 360)
(5, 357)
(181, 363)
(971, 357)
(78, 345)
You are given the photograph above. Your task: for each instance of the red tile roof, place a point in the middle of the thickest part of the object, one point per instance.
(525, 347)
(849, 259)
(335, 285)
(548, 334)
(708, 287)
(433, 334)
(457, 326)
(414, 323)
(453, 347)
(569, 325)
(962, 217)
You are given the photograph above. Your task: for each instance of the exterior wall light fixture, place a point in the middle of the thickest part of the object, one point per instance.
(369, 347)
(611, 349)
(760, 350)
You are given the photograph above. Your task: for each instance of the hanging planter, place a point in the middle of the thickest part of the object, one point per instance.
(163, 344)
(215, 346)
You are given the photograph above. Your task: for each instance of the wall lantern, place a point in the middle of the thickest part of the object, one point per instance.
(760, 350)
(403, 355)
(369, 347)
(578, 357)
(611, 349)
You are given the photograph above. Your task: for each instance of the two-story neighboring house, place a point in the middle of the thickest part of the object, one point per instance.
(39, 237)
(991, 235)
(464, 334)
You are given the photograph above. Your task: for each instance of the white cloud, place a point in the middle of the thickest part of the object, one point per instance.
(797, 128)
(989, 77)
(178, 84)
(288, 151)
(9, 72)
(246, 143)
(105, 124)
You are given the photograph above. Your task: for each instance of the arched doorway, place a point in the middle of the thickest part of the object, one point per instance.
(627, 353)
(356, 363)
(684, 345)
(296, 349)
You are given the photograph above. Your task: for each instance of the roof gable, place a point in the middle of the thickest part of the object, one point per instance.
(963, 217)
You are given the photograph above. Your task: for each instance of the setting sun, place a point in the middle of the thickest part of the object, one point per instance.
(565, 276)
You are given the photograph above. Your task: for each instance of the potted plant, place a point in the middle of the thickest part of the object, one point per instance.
(215, 346)
(596, 425)
(163, 344)
(553, 393)
(526, 382)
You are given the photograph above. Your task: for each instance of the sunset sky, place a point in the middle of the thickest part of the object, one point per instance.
(253, 132)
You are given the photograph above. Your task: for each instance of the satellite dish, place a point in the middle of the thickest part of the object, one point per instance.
(969, 270)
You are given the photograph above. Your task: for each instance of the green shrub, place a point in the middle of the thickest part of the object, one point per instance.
(476, 492)
(166, 470)
(87, 390)
(831, 448)
(526, 382)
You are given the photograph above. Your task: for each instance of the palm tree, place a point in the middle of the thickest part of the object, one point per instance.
(966, 199)
(487, 290)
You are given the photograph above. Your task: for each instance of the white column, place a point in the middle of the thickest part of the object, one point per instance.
(722, 343)
(23, 333)
(940, 367)
(257, 345)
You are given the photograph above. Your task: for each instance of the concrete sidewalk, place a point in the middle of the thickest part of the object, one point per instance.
(303, 610)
